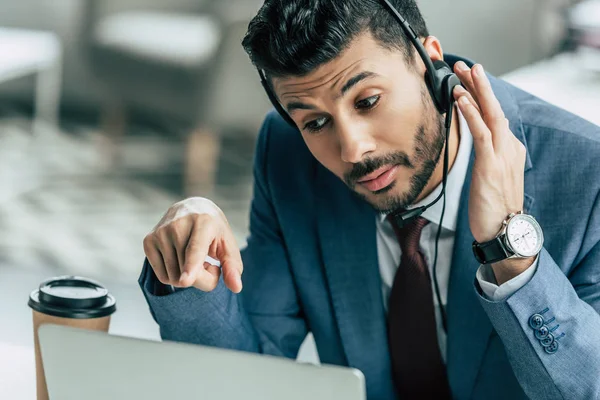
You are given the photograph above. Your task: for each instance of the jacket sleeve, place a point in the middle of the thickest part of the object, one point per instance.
(266, 316)
(551, 326)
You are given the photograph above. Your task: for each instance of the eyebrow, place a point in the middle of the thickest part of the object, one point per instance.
(357, 78)
(296, 105)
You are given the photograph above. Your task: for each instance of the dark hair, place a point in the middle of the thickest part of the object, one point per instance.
(293, 37)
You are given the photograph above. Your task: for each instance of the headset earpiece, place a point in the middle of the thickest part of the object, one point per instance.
(440, 83)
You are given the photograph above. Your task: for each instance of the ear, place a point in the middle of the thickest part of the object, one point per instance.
(434, 48)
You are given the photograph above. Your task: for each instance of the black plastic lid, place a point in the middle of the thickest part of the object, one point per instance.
(72, 297)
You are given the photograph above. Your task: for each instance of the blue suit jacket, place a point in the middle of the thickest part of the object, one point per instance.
(311, 265)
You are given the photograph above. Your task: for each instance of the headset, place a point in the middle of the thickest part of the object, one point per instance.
(440, 81)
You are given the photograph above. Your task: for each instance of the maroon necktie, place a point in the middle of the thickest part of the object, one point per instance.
(418, 369)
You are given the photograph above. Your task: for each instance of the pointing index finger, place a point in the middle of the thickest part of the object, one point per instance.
(195, 253)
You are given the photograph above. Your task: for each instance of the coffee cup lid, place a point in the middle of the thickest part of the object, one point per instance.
(72, 297)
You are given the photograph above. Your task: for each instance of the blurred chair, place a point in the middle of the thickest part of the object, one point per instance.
(27, 52)
(167, 60)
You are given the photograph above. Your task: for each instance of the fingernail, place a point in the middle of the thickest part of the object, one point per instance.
(463, 100)
(478, 70)
(462, 66)
(459, 89)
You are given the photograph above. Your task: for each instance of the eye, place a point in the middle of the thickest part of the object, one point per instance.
(316, 125)
(368, 103)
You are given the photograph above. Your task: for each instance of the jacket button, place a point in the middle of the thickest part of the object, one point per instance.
(548, 340)
(542, 333)
(536, 321)
(553, 348)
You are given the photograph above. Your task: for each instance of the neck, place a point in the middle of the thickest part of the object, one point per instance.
(438, 173)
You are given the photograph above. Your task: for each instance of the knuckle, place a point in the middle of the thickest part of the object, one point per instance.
(193, 253)
(161, 233)
(192, 247)
(176, 234)
(497, 119)
(481, 135)
(148, 243)
(171, 262)
(202, 219)
(165, 235)
(172, 227)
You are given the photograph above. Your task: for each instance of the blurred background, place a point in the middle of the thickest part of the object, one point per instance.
(112, 110)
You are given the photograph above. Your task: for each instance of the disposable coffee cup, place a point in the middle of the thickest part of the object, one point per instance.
(71, 301)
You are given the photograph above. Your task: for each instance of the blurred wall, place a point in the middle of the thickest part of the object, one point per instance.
(501, 34)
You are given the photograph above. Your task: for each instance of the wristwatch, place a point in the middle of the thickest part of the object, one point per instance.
(520, 237)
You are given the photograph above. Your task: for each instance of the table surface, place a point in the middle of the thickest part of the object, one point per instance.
(17, 372)
(17, 359)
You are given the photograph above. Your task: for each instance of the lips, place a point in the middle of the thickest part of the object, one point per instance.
(379, 179)
(375, 174)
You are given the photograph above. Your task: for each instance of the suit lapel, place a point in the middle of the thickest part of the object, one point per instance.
(468, 326)
(347, 233)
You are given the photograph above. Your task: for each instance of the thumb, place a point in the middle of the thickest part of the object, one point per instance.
(232, 273)
(231, 263)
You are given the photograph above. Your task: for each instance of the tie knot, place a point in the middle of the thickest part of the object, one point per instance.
(409, 235)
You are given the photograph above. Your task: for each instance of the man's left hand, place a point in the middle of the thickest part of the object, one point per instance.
(497, 184)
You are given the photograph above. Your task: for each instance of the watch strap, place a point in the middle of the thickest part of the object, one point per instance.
(492, 251)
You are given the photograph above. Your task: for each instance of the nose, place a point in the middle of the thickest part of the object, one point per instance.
(355, 142)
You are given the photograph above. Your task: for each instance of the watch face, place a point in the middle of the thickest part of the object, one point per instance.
(524, 235)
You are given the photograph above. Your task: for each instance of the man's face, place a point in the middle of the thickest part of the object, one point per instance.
(368, 118)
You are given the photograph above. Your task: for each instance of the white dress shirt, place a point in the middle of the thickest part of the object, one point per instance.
(388, 248)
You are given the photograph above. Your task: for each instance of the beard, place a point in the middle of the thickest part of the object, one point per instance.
(429, 143)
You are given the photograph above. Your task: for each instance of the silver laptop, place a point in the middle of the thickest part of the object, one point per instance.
(82, 364)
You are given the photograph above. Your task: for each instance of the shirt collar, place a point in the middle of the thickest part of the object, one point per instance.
(454, 184)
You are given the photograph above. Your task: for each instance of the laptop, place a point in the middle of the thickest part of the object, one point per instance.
(81, 364)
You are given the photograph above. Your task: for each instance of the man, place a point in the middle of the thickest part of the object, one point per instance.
(324, 256)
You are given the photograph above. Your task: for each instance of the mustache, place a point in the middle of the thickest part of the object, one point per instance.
(367, 166)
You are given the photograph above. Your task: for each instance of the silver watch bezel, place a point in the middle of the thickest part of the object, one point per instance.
(507, 242)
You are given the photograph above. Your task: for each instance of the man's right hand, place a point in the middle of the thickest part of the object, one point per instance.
(178, 245)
